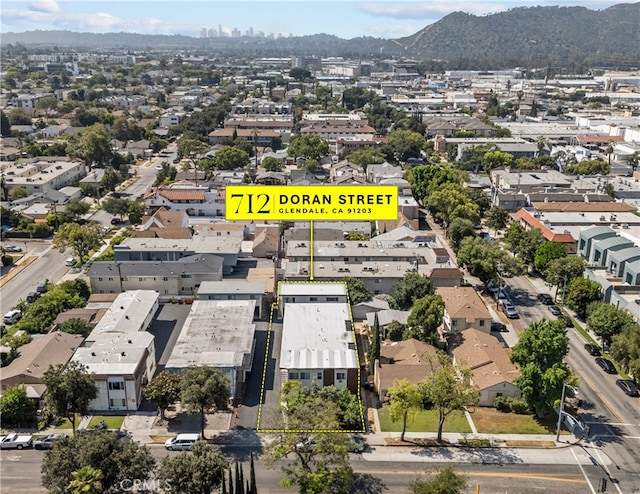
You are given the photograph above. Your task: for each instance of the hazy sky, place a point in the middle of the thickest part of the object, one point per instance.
(347, 19)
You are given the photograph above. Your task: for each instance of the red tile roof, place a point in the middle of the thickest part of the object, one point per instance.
(182, 195)
(547, 233)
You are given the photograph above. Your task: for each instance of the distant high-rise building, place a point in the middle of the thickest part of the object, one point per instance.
(220, 31)
(203, 32)
(251, 31)
(235, 33)
(212, 33)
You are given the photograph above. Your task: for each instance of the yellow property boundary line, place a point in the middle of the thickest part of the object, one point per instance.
(266, 361)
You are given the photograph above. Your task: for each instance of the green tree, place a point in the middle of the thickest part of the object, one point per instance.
(164, 390)
(497, 218)
(271, 164)
(76, 208)
(588, 167)
(458, 230)
(119, 461)
(191, 148)
(5, 125)
(86, 480)
(356, 290)
(135, 212)
(116, 206)
(580, 293)
(406, 144)
(483, 258)
(411, 287)
(448, 388)
(70, 390)
(110, 180)
(355, 236)
(300, 73)
(94, 146)
(404, 400)
(204, 388)
(76, 326)
(561, 272)
(231, 158)
(540, 351)
(547, 252)
(17, 192)
(317, 463)
(374, 349)
(606, 320)
(528, 247)
(48, 104)
(496, 159)
(444, 481)
(82, 239)
(199, 471)
(309, 146)
(425, 318)
(625, 349)
(16, 409)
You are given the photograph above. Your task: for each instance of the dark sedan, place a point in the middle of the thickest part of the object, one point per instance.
(592, 349)
(545, 298)
(498, 326)
(628, 387)
(606, 365)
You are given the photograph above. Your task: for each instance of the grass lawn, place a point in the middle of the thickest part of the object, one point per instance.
(64, 423)
(492, 421)
(113, 421)
(424, 421)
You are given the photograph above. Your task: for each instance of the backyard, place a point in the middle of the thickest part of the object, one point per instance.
(424, 421)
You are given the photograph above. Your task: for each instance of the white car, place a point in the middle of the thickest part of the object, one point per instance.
(70, 262)
(14, 441)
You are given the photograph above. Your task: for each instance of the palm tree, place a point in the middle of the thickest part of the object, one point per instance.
(609, 150)
(634, 159)
(87, 480)
(541, 142)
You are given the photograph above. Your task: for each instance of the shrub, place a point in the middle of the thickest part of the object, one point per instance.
(7, 260)
(501, 403)
(518, 405)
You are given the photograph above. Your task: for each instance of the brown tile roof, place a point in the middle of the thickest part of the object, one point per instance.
(440, 251)
(463, 302)
(605, 138)
(182, 195)
(489, 361)
(168, 217)
(408, 362)
(36, 357)
(446, 273)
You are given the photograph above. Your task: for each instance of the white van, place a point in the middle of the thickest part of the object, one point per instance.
(11, 316)
(182, 442)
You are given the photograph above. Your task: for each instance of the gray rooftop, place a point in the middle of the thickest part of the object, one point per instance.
(292, 289)
(114, 354)
(218, 333)
(233, 286)
(200, 244)
(317, 336)
(127, 314)
(196, 264)
(607, 243)
(596, 231)
(629, 254)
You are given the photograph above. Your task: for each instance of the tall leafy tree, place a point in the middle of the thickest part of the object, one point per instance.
(444, 481)
(625, 349)
(16, 408)
(117, 206)
(94, 146)
(199, 471)
(459, 229)
(580, 293)
(448, 389)
(204, 388)
(70, 390)
(164, 390)
(230, 158)
(82, 239)
(310, 146)
(5, 125)
(561, 272)
(410, 288)
(425, 318)
(87, 480)
(606, 320)
(404, 400)
(497, 218)
(547, 252)
(117, 460)
(540, 351)
(356, 290)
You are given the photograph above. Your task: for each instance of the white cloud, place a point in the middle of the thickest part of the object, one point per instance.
(393, 30)
(49, 6)
(431, 10)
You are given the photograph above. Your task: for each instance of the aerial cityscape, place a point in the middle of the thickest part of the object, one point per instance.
(319, 247)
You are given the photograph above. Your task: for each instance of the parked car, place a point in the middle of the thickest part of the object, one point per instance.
(592, 349)
(12, 248)
(47, 441)
(12, 316)
(628, 387)
(41, 287)
(115, 221)
(32, 297)
(356, 444)
(555, 310)
(606, 365)
(70, 262)
(14, 441)
(567, 320)
(498, 326)
(511, 312)
(545, 298)
(182, 442)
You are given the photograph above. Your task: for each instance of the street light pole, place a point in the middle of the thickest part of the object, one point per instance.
(561, 407)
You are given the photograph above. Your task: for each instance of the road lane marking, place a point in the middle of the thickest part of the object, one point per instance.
(611, 408)
(540, 476)
(606, 469)
(584, 474)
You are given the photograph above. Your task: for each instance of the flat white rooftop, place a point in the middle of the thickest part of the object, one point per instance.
(292, 289)
(115, 355)
(317, 336)
(128, 312)
(217, 333)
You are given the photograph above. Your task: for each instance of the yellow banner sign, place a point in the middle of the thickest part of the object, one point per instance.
(312, 202)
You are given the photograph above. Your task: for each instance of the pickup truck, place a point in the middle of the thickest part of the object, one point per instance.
(14, 441)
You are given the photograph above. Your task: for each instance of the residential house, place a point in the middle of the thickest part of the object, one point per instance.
(194, 201)
(164, 223)
(361, 311)
(42, 174)
(463, 309)
(490, 363)
(35, 358)
(236, 290)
